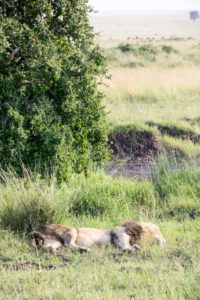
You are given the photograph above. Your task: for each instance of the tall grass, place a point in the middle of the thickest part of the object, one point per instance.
(142, 92)
(28, 202)
(176, 183)
(155, 79)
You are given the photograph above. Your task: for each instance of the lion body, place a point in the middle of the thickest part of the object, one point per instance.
(126, 236)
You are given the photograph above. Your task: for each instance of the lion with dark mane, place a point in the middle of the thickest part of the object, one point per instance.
(129, 235)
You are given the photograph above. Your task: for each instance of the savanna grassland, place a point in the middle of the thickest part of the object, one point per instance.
(155, 85)
(153, 99)
(172, 271)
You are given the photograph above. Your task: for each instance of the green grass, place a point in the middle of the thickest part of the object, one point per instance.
(171, 272)
(182, 147)
(170, 200)
(156, 82)
(27, 203)
(154, 89)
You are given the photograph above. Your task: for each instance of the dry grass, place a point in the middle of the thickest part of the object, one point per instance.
(134, 81)
(165, 90)
(152, 94)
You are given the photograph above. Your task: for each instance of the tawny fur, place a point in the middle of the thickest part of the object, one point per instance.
(126, 236)
(152, 233)
(148, 232)
(42, 241)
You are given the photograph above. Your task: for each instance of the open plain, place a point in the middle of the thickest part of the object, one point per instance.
(152, 102)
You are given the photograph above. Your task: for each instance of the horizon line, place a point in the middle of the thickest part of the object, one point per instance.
(144, 10)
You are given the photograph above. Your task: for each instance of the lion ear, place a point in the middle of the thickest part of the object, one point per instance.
(128, 223)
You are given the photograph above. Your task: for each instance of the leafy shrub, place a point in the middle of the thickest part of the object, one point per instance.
(51, 114)
(134, 64)
(168, 49)
(126, 47)
(145, 49)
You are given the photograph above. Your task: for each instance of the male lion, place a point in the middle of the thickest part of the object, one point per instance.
(126, 236)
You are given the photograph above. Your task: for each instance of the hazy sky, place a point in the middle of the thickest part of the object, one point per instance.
(127, 5)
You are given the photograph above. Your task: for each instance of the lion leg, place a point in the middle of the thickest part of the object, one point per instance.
(71, 241)
(82, 249)
(37, 239)
(136, 247)
(122, 240)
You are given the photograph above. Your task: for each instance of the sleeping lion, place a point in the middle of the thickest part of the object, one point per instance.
(127, 236)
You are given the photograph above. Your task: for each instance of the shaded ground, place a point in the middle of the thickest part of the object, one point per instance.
(140, 168)
(133, 144)
(133, 153)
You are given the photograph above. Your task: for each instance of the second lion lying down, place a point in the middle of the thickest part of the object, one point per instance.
(127, 236)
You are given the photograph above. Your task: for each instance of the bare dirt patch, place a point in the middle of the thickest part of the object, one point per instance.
(133, 153)
(18, 265)
(134, 144)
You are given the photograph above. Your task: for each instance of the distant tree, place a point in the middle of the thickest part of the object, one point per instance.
(51, 115)
(194, 15)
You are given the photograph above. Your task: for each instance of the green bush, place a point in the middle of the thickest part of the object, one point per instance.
(169, 49)
(141, 50)
(147, 49)
(126, 47)
(51, 114)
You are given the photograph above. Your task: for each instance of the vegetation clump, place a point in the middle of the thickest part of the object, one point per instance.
(169, 49)
(126, 47)
(147, 51)
(50, 109)
(29, 202)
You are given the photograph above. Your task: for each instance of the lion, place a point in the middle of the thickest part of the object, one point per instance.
(128, 236)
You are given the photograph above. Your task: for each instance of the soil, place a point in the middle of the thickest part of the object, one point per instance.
(134, 144)
(140, 168)
(133, 153)
(15, 265)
